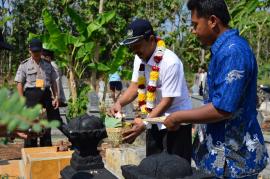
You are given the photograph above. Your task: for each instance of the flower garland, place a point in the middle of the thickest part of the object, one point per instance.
(147, 95)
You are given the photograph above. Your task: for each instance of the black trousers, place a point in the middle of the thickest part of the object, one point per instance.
(36, 96)
(174, 142)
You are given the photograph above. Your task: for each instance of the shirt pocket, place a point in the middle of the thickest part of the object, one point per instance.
(31, 75)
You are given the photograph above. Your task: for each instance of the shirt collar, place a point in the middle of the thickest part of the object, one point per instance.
(33, 61)
(222, 38)
(151, 61)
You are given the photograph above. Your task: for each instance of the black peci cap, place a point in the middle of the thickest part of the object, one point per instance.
(35, 45)
(138, 29)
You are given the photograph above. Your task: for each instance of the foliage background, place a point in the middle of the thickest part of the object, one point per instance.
(99, 53)
(170, 19)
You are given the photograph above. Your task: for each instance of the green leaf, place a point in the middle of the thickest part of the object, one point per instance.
(78, 43)
(107, 17)
(32, 113)
(23, 125)
(92, 66)
(44, 123)
(111, 122)
(86, 59)
(9, 105)
(36, 127)
(98, 23)
(5, 118)
(64, 2)
(54, 124)
(14, 114)
(93, 27)
(33, 36)
(80, 24)
(102, 67)
(89, 46)
(70, 39)
(85, 50)
(3, 96)
(126, 74)
(13, 124)
(119, 59)
(50, 24)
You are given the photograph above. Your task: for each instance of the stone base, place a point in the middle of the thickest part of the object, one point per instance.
(116, 157)
(70, 173)
(85, 163)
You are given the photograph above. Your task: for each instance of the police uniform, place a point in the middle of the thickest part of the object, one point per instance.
(37, 80)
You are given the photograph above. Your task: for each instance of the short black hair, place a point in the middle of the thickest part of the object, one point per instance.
(206, 8)
(46, 52)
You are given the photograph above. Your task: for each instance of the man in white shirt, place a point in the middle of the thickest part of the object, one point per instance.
(171, 93)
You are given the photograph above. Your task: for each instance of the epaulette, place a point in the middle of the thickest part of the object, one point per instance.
(24, 61)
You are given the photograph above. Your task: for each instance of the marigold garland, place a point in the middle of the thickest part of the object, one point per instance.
(141, 80)
(141, 97)
(147, 99)
(154, 75)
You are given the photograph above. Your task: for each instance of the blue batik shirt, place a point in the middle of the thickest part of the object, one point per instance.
(235, 146)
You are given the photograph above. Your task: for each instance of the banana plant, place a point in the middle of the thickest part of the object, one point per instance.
(76, 52)
(255, 28)
(119, 57)
(248, 9)
(258, 20)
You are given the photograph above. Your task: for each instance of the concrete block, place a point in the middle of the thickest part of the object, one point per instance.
(44, 162)
(126, 154)
(10, 169)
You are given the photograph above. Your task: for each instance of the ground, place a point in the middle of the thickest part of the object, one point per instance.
(13, 150)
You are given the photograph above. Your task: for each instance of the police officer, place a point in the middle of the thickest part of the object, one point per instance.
(35, 77)
(48, 55)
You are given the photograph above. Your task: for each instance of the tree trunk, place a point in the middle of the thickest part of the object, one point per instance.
(72, 82)
(96, 57)
(267, 47)
(10, 56)
(202, 56)
(105, 90)
(100, 9)
(94, 71)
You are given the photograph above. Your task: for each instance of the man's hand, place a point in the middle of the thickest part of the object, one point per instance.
(115, 109)
(171, 123)
(138, 127)
(55, 103)
(21, 135)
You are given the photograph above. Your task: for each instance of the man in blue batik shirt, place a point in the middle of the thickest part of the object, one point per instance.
(229, 143)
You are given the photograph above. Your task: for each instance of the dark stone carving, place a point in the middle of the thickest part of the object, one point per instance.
(85, 133)
(162, 165)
